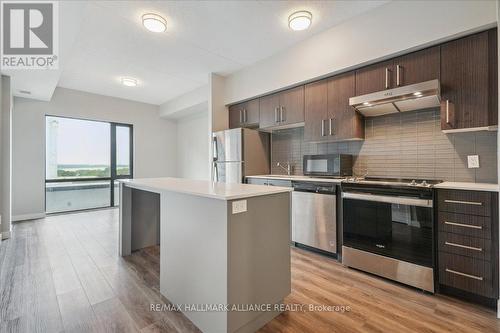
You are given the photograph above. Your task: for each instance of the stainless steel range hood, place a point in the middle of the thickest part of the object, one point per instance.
(417, 96)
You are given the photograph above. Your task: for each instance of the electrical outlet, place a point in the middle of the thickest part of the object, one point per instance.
(239, 206)
(473, 161)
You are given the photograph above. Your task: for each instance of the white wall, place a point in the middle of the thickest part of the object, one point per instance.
(191, 102)
(154, 140)
(387, 30)
(5, 155)
(193, 146)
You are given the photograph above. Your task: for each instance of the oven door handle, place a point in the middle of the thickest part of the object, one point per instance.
(409, 201)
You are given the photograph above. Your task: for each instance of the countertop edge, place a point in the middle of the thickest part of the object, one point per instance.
(468, 186)
(271, 191)
(297, 178)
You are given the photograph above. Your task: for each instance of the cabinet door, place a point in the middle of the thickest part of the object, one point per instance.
(374, 78)
(465, 82)
(292, 106)
(244, 114)
(236, 115)
(418, 67)
(269, 106)
(251, 113)
(315, 110)
(343, 121)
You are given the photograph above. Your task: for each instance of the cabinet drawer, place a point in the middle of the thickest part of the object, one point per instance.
(270, 182)
(257, 181)
(473, 247)
(465, 202)
(468, 225)
(469, 274)
(279, 182)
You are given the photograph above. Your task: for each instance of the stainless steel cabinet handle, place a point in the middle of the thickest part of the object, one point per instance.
(241, 116)
(464, 246)
(398, 75)
(463, 225)
(330, 131)
(282, 114)
(480, 278)
(245, 115)
(322, 127)
(473, 203)
(386, 78)
(276, 120)
(447, 111)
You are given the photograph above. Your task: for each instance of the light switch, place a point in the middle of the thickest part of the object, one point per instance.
(239, 206)
(473, 161)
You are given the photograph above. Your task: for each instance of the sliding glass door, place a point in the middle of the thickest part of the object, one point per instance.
(84, 159)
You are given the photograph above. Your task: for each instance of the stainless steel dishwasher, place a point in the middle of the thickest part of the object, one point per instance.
(314, 217)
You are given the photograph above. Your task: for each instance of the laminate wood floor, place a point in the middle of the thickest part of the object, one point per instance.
(63, 274)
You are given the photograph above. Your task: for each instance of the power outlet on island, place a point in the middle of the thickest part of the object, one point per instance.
(239, 206)
(473, 161)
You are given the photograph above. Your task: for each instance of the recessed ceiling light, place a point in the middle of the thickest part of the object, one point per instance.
(129, 82)
(366, 103)
(154, 22)
(300, 20)
(418, 93)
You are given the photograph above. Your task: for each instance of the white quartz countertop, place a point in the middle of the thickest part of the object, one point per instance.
(468, 186)
(301, 178)
(203, 188)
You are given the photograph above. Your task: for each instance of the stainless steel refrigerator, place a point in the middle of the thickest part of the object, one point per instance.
(238, 153)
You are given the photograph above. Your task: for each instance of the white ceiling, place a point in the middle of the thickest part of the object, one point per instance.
(101, 41)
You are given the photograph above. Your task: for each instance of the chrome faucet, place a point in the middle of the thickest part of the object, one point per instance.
(288, 168)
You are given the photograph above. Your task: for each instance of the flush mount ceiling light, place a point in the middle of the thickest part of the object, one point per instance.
(300, 20)
(129, 82)
(154, 22)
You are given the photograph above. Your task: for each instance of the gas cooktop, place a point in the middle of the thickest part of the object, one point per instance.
(393, 181)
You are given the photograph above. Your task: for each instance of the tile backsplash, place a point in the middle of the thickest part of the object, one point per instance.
(406, 145)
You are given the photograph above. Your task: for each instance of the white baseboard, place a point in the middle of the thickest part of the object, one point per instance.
(25, 217)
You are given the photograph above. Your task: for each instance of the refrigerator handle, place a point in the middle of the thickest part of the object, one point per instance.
(215, 152)
(216, 173)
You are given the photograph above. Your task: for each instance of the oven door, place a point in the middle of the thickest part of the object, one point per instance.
(392, 226)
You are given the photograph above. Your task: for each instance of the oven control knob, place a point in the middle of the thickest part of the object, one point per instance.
(413, 183)
(424, 184)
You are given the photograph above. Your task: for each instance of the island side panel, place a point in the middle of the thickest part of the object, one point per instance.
(193, 256)
(125, 220)
(258, 258)
(145, 219)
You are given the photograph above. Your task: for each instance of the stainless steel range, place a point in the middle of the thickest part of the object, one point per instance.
(388, 229)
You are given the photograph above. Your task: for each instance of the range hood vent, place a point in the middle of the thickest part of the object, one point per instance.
(417, 96)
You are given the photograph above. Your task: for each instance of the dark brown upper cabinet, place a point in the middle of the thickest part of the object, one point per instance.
(315, 110)
(412, 68)
(282, 109)
(469, 82)
(328, 116)
(244, 114)
(344, 123)
(373, 78)
(417, 67)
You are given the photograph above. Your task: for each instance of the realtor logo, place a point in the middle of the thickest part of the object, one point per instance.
(29, 35)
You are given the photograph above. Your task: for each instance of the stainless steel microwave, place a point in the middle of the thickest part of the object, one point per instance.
(328, 165)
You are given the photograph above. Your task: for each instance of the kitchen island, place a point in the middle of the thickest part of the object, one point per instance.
(223, 247)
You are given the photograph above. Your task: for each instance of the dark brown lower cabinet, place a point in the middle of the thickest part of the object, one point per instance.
(467, 244)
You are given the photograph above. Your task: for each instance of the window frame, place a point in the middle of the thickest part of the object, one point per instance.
(113, 178)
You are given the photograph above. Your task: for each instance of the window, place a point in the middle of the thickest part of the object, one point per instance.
(84, 159)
